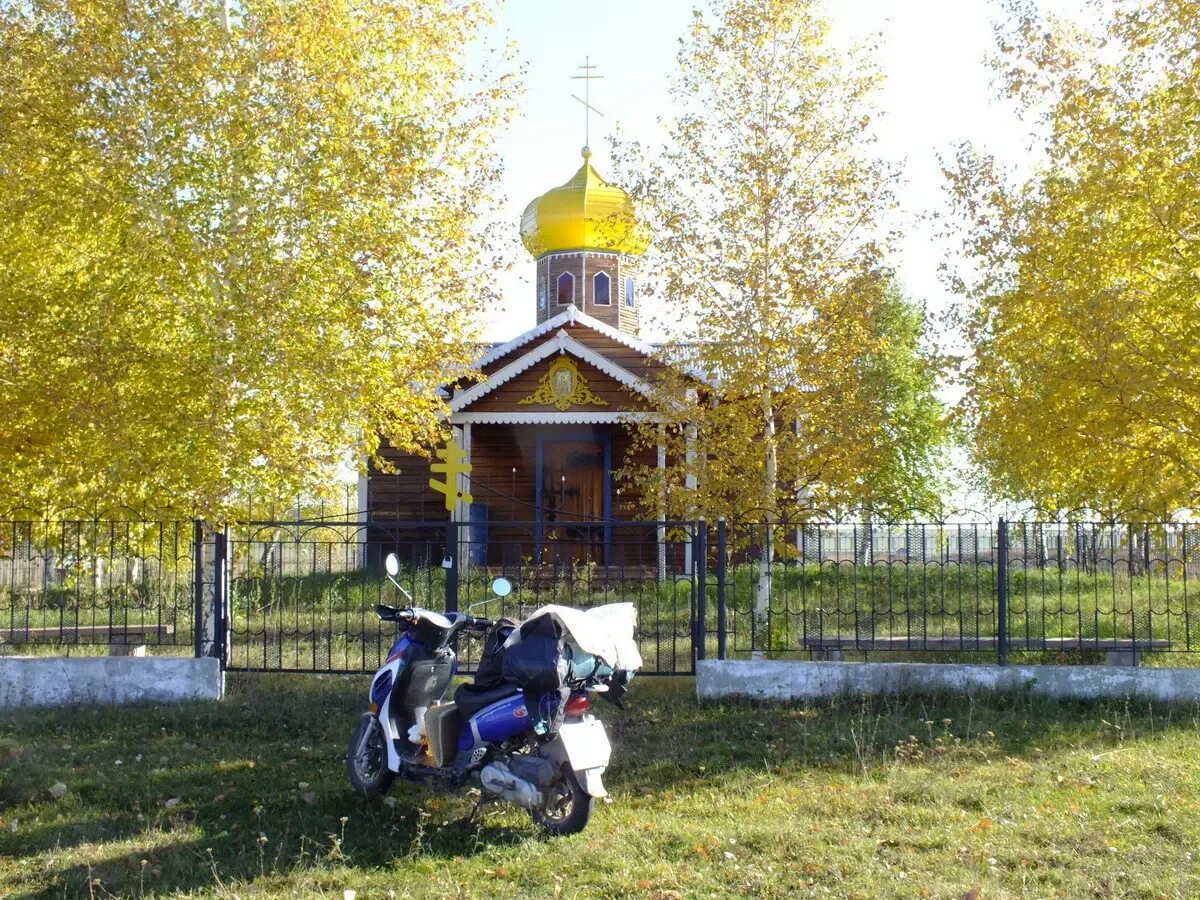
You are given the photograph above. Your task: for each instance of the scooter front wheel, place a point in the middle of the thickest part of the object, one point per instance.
(366, 758)
(568, 807)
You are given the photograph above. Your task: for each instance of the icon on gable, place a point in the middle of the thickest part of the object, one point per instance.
(563, 387)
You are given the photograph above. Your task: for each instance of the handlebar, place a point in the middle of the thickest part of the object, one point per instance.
(476, 626)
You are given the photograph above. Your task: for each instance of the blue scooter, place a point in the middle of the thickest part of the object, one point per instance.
(487, 735)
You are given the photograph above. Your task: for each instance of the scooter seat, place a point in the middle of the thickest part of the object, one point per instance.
(470, 699)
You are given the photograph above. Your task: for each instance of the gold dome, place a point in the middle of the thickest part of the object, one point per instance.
(586, 213)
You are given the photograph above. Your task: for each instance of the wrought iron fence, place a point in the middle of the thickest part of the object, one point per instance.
(82, 583)
(302, 595)
(299, 595)
(1048, 588)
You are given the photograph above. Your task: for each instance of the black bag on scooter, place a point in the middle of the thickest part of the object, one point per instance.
(490, 672)
(539, 665)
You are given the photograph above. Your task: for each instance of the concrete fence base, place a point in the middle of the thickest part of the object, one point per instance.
(56, 681)
(782, 680)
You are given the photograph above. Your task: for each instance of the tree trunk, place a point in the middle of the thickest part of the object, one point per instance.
(762, 600)
(1083, 545)
(268, 554)
(866, 543)
(1135, 551)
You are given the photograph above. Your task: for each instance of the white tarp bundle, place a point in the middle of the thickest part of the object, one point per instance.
(604, 631)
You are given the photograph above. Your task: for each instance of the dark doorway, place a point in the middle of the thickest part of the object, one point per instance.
(573, 501)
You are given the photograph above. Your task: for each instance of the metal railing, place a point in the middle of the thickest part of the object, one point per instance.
(299, 595)
(982, 589)
(73, 582)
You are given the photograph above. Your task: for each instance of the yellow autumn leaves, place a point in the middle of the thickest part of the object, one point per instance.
(1084, 380)
(236, 241)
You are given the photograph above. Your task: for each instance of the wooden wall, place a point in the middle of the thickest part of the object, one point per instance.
(495, 451)
(615, 313)
(508, 396)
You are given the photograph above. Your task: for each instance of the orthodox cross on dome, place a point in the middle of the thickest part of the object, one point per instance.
(587, 78)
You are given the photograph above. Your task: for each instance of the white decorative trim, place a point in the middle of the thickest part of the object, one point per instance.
(560, 343)
(572, 315)
(583, 417)
(554, 254)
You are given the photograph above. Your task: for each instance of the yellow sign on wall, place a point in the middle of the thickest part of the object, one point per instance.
(454, 463)
(563, 387)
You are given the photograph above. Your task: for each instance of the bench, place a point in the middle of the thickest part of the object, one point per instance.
(123, 640)
(1118, 651)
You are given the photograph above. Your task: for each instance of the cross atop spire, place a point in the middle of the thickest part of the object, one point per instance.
(587, 78)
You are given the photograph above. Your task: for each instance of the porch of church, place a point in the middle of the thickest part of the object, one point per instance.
(541, 495)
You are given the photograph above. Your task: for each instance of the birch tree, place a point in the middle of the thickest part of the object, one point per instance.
(1083, 385)
(766, 205)
(239, 243)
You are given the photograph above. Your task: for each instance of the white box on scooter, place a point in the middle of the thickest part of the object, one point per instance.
(585, 744)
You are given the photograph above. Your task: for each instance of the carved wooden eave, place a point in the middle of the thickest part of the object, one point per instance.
(562, 342)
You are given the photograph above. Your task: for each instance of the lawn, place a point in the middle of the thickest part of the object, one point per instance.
(905, 797)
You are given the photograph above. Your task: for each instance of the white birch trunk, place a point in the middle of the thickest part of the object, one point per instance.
(762, 600)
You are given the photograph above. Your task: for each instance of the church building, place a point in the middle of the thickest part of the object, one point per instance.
(548, 423)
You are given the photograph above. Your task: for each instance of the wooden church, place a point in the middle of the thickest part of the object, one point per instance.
(548, 424)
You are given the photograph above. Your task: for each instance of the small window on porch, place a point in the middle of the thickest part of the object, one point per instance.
(600, 290)
(566, 289)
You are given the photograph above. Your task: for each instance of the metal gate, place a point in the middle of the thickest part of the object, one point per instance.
(300, 595)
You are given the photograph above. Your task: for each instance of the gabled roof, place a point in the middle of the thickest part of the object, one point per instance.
(560, 343)
(570, 316)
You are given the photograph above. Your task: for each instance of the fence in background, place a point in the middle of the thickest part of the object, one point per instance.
(986, 589)
(78, 582)
(299, 595)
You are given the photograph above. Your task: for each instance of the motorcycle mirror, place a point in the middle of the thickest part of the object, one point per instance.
(392, 563)
(501, 587)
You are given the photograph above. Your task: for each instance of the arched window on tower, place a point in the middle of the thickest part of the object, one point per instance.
(566, 289)
(630, 293)
(541, 292)
(600, 286)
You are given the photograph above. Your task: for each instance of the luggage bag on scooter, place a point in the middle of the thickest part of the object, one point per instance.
(539, 665)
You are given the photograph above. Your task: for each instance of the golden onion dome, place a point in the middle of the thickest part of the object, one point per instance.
(586, 213)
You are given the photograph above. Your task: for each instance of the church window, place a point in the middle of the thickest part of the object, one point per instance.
(630, 294)
(566, 289)
(541, 292)
(600, 285)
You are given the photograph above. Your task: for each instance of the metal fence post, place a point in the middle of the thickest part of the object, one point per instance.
(451, 563)
(198, 587)
(1002, 591)
(722, 565)
(700, 558)
(211, 617)
(221, 596)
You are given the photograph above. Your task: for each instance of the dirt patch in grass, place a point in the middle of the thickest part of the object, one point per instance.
(904, 797)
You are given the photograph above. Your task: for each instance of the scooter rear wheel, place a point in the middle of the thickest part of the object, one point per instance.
(568, 807)
(366, 761)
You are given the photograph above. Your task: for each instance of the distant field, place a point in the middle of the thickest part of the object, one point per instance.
(920, 797)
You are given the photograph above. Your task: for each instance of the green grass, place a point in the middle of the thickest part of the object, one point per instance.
(908, 797)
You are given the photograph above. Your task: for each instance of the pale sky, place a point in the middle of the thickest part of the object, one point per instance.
(938, 91)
